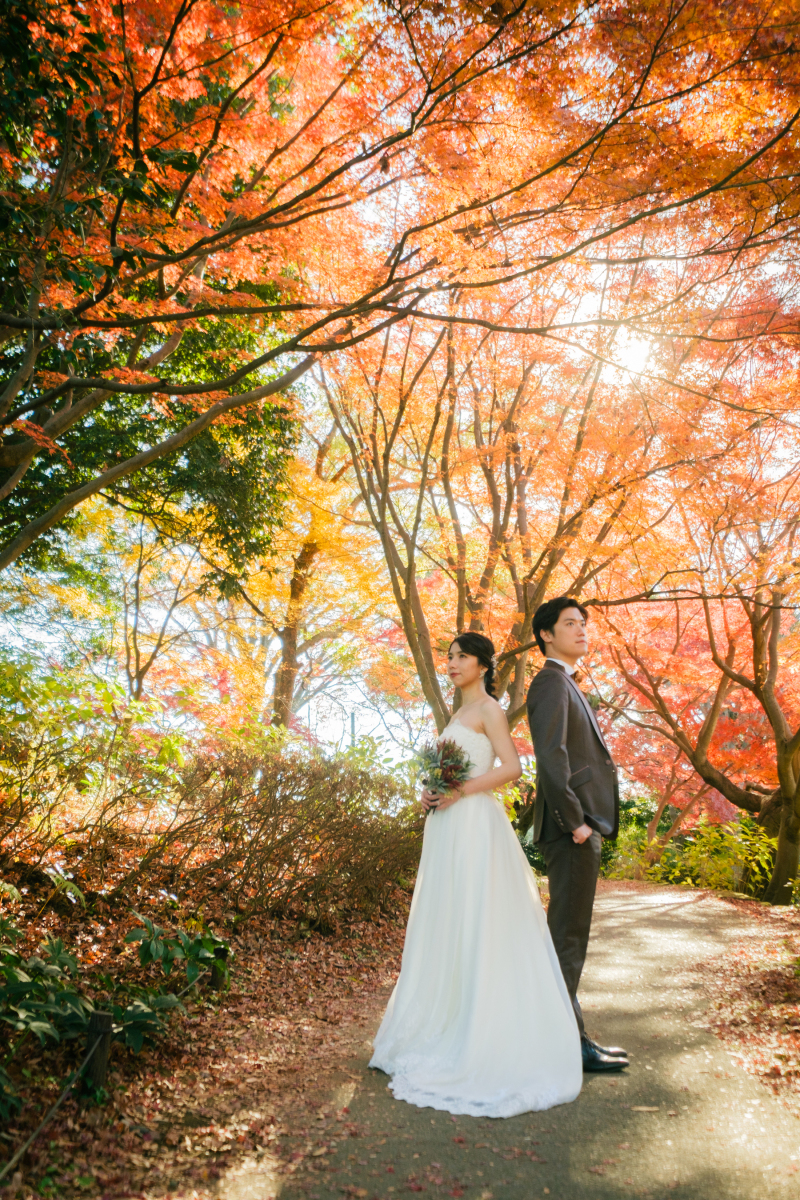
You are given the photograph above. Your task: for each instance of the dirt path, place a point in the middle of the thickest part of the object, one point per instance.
(683, 1122)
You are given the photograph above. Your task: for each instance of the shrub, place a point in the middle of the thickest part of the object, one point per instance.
(42, 996)
(634, 815)
(289, 833)
(107, 795)
(730, 857)
(78, 762)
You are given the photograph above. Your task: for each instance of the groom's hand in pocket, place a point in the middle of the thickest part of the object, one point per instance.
(581, 834)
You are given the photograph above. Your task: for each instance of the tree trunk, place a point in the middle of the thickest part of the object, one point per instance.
(769, 817)
(286, 675)
(784, 872)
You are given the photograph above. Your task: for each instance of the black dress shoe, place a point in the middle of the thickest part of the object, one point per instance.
(594, 1060)
(611, 1051)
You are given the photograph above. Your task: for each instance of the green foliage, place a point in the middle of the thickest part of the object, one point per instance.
(41, 996)
(65, 734)
(199, 953)
(65, 886)
(625, 858)
(8, 890)
(225, 489)
(10, 1101)
(636, 812)
(9, 934)
(518, 799)
(38, 997)
(728, 857)
(369, 753)
(142, 1020)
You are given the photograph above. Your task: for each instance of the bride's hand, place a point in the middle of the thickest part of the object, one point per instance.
(430, 799)
(448, 798)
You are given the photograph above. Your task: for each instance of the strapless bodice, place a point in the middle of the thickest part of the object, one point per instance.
(476, 745)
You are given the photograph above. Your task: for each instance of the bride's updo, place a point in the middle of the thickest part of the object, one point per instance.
(483, 649)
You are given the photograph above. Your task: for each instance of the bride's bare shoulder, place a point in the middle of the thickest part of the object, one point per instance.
(481, 715)
(490, 710)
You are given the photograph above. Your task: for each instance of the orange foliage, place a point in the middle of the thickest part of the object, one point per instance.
(330, 172)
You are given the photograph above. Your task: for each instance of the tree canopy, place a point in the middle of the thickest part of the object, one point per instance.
(335, 170)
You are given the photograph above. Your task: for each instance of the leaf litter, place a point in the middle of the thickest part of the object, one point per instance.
(754, 998)
(250, 1083)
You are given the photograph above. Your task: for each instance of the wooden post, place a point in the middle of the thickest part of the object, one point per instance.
(218, 969)
(100, 1026)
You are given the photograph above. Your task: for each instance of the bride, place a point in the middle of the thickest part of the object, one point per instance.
(480, 1021)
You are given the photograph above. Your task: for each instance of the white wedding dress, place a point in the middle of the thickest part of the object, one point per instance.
(480, 1021)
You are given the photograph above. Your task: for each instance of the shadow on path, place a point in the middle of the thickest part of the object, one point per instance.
(681, 1122)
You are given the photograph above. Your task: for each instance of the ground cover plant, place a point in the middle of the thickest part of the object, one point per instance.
(42, 997)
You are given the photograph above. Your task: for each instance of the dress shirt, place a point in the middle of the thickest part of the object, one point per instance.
(570, 670)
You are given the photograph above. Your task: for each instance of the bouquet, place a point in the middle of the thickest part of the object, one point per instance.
(443, 765)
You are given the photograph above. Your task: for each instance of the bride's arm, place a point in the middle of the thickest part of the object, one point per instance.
(496, 726)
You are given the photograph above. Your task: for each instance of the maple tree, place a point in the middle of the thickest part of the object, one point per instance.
(714, 669)
(325, 172)
(299, 628)
(662, 772)
(496, 472)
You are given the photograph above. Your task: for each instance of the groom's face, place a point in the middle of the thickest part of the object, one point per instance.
(569, 636)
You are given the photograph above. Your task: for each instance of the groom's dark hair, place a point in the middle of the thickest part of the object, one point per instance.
(548, 613)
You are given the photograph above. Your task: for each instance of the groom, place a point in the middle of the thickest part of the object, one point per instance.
(577, 798)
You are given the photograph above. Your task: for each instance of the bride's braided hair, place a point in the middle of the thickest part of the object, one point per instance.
(483, 649)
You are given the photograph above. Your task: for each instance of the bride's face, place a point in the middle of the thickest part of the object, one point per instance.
(462, 668)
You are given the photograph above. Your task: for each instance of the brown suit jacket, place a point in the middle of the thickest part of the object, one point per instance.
(576, 780)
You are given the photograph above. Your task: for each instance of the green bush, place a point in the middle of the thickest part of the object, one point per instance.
(625, 858)
(618, 859)
(41, 996)
(735, 856)
(201, 953)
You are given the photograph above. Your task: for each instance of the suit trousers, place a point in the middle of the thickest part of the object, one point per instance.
(572, 871)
